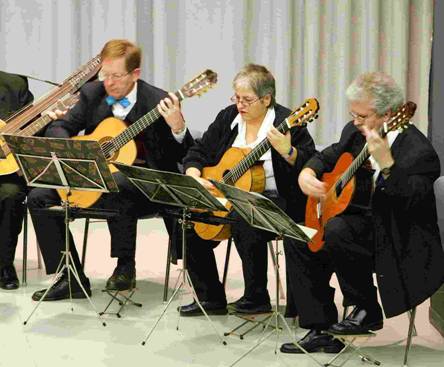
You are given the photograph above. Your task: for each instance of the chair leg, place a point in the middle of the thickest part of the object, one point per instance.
(227, 261)
(85, 242)
(273, 259)
(167, 271)
(25, 246)
(409, 335)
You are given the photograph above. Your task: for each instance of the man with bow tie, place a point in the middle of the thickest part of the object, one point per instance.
(120, 93)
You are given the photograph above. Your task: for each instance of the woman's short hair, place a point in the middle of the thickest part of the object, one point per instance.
(259, 79)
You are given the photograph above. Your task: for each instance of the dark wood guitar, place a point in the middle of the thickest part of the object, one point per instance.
(116, 138)
(341, 182)
(27, 122)
(239, 167)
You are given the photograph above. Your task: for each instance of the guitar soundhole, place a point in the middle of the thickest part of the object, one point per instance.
(108, 148)
(338, 189)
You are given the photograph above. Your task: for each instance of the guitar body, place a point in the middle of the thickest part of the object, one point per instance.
(8, 164)
(104, 132)
(251, 180)
(318, 214)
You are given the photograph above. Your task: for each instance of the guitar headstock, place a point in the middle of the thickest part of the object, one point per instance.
(305, 113)
(401, 120)
(198, 85)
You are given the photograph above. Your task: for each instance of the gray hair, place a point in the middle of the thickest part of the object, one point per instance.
(259, 79)
(380, 88)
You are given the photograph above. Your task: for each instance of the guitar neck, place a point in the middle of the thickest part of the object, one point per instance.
(34, 127)
(251, 158)
(141, 124)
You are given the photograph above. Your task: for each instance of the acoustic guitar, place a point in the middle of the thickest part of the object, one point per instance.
(238, 167)
(341, 182)
(26, 121)
(116, 138)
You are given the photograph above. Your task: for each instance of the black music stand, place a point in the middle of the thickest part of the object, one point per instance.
(260, 212)
(63, 164)
(182, 191)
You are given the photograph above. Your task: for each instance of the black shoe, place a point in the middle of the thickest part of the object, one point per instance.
(239, 301)
(8, 277)
(314, 341)
(360, 321)
(60, 289)
(211, 308)
(123, 278)
(249, 307)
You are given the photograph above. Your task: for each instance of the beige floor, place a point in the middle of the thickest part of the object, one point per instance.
(57, 336)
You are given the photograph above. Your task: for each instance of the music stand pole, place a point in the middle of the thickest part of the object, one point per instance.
(62, 164)
(185, 282)
(260, 212)
(185, 192)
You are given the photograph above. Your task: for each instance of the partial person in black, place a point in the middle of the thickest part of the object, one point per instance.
(14, 94)
(250, 119)
(396, 236)
(120, 93)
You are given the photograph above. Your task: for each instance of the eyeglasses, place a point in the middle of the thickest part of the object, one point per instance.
(244, 101)
(115, 76)
(360, 118)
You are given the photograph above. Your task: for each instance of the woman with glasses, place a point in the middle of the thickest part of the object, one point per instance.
(245, 123)
(121, 93)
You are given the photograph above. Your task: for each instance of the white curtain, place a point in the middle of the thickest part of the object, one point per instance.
(313, 47)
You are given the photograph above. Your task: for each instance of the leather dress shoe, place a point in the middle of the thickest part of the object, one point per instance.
(250, 307)
(60, 289)
(122, 279)
(8, 277)
(314, 341)
(210, 307)
(239, 301)
(360, 321)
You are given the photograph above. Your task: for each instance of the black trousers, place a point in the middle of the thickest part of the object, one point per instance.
(251, 244)
(12, 194)
(50, 230)
(348, 251)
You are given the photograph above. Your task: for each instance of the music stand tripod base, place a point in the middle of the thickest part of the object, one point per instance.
(63, 164)
(181, 191)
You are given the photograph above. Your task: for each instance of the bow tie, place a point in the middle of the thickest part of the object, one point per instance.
(124, 102)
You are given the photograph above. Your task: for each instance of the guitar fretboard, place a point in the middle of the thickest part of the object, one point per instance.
(251, 158)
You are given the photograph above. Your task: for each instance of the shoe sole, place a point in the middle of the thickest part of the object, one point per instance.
(367, 330)
(200, 313)
(130, 288)
(253, 311)
(76, 295)
(323, 349)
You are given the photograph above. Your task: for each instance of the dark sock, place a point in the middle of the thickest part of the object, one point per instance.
(126, 261)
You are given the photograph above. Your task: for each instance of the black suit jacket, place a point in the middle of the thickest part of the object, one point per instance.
(409, 259)
(162, 150)
(219, 137)
(14, 94)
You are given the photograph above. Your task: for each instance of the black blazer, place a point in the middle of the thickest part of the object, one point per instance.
(219, 137)
(14, 94)
(409, 259)
(162, 150)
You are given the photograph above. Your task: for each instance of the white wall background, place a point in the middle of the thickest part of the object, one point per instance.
(313, 47)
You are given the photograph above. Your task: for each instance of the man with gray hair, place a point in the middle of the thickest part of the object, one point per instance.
(394, 233)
